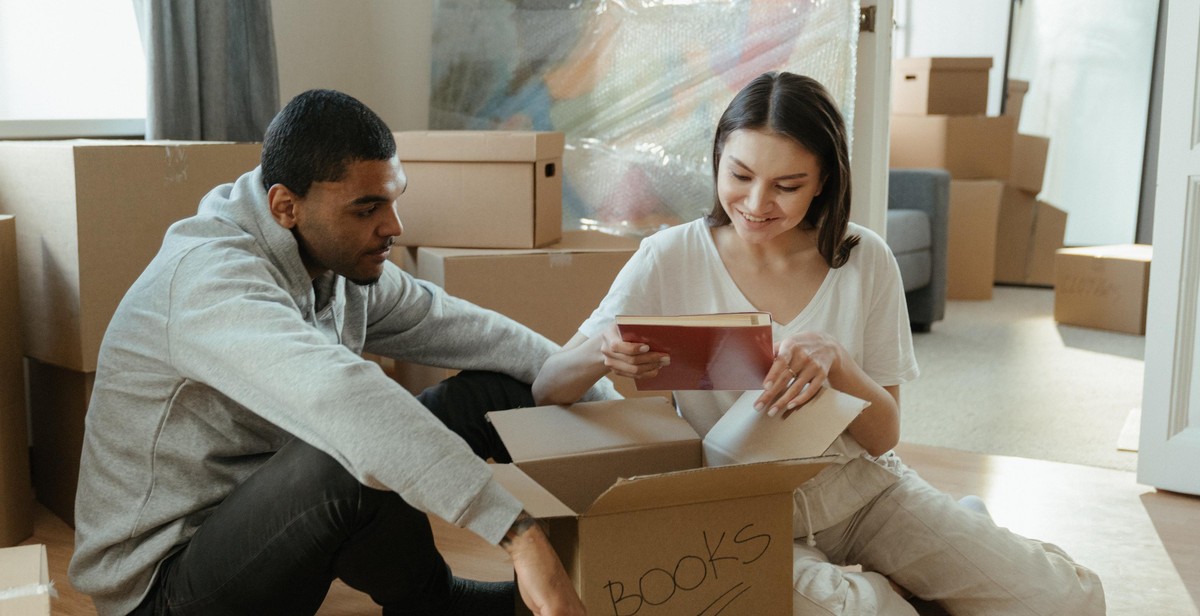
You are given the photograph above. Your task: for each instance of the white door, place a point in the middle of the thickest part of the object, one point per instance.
(1169, 450)
(872, 108)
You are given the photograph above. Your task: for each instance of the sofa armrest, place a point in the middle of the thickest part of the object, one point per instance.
(927, 190)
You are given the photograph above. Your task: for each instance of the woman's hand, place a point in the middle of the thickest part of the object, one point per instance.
(631, 359)
(803, 364)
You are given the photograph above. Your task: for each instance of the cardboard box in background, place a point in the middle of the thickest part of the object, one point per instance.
(936, 86)
(92, 215)
(1028, 234)
(969, 147)
(971, 238)
(1015, 91)
(551, 290)
(25, 567)
(1103, 287)
(1029, 162)
(58, 401)
(16, 492)
(481, 189)
(678, 538)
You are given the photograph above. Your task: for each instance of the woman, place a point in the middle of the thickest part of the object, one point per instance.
(778, 239)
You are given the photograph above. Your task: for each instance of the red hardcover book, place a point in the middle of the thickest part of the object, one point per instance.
(708, 351)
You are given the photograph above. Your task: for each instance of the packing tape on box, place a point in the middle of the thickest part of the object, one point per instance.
(560, 259)
(28, 590)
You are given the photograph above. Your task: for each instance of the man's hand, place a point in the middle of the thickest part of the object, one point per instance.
(541, 579)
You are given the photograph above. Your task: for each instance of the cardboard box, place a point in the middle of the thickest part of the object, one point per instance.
(1028, 234)
(58, 401)
(481, 189)
(639, 524)
(16, 492)
(92, 215)
(1103, 287)
(1029, 162)
(971, 238)
(936, 86)
(551, 290)
(25, 575)
(1015, 91)
(969, 147)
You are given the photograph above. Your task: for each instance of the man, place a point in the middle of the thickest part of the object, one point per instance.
(240, 454)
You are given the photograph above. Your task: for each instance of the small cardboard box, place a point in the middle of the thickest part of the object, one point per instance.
(481, 189)
(25, 581)
(936, 86)
(551, 290)
(639, 524)
(16, 493)
(971, 239)
(1029, 162)
(969, 147)
(1103, 287)
(58, 402)
(92, 215)
(1028, 233)
(1015, 92)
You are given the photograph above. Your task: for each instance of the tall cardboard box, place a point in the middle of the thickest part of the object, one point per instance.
(1103, 287)
(1049, 229)
(16, 493)
(936, 86)
(641, 526)
(58, 402)
(1028, 234)
(481, 189)
(1029, 162)
(92, 215)
(25, 568)
(971, 238)
(1015, 91)
(969, 147)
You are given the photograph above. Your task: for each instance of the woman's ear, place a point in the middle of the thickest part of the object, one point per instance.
(282, 202)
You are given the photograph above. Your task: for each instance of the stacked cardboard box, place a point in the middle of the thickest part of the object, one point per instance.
(482, 218)
(91, 215)
(16, 493)
(939, 120)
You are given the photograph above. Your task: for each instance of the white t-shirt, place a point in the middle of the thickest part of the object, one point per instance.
(861, 304)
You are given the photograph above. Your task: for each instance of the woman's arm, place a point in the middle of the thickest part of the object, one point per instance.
(569, 373)
(806, 362)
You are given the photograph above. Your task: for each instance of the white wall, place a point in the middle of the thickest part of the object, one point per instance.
(377, 51)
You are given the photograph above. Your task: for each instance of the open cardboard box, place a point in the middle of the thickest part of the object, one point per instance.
(25, 588)
(641, 526)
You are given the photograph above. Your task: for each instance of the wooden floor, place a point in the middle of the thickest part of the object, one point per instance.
(1144, 544)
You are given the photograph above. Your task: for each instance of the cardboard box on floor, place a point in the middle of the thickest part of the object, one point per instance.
(1029, 162)
(641, 526)
(58, 401)
(92, 215)
(551, 290)
(969, 147)
(24, 581)
(16, 492)
(971, 238)
(481, 189)
(1027, 236)
(1103, 287)
(935, 86)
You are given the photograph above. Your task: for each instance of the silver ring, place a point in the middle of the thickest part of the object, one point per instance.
(792, 372)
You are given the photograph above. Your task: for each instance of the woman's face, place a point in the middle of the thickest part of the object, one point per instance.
(765, 183)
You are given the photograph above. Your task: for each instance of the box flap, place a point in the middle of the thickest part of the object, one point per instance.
(25, 581)
(707, 485)
(539, 502)
(548, 432)
(746, 435)
(478, 145)
(1127, 252)
(944, 64)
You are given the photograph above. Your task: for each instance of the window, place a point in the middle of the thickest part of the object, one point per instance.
(71, 68)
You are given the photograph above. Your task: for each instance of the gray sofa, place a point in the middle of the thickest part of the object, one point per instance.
(917, 222)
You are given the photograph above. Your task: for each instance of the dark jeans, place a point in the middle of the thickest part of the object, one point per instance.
(278, 541)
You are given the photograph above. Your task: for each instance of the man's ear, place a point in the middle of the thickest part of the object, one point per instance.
(283, 203)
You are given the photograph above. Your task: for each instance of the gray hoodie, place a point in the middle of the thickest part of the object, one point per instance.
(221, 352)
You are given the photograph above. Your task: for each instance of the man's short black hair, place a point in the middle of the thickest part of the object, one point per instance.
(317, 135)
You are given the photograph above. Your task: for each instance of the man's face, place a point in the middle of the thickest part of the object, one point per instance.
(348, 226)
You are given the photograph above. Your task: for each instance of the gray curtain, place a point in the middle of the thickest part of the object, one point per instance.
(210, 68)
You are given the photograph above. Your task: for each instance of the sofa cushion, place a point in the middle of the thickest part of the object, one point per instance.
(911, 241)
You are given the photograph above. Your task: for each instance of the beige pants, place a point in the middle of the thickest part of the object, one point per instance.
(923, 540)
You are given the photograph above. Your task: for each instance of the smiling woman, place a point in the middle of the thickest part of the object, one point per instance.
(71, 68)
